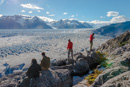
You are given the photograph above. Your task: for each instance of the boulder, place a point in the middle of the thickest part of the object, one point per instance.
(108, 74)
(122, 80)
(59, 62)
(92, 58)
(51, 78)
(81, 66)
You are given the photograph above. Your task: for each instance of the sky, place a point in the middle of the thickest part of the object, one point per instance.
(83, 10)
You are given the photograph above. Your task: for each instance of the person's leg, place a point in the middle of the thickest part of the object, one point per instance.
(91, 44)
(68, 53)
(72, 53)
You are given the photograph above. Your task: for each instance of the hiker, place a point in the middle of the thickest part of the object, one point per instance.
(33, 72)
(70, 49)
(45, 63)
(91, 40)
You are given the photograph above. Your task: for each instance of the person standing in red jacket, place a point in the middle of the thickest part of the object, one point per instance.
(91, 40)
(70, 49)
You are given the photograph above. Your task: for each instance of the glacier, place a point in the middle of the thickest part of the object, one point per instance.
(19, 47)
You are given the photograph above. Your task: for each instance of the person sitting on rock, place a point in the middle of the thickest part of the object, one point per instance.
(33, 72)
(45, 63)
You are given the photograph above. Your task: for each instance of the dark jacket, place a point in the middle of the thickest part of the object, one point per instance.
(34, 71)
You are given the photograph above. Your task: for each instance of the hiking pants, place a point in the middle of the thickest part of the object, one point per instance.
(91, 44)
(70, 51)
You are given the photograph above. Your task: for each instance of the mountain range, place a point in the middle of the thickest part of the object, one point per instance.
(38, 22)
(113, 30)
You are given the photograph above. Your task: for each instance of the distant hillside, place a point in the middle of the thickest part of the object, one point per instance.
(117, 42)
(113, 29)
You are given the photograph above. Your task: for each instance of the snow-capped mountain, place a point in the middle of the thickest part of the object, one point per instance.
(39, 22)
(69, 24)
(22, 22)
(46, 19)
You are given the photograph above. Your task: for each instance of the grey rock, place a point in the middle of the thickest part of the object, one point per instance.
(60, 74)
(81, 66)
(122, 80)
(108, 74)
(57, 78)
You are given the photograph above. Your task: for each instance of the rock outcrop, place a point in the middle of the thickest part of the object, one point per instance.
(51, 78)
(119, 54)
(117, 43)
(59, 75)
(122, 80)
(80, 65)
(117, 75)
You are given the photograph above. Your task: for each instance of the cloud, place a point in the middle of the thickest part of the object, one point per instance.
(1, 15)
(52, 15)
(47, 12)
(22, 10)
(38, 11)
(30, 6)
(65, 13)
(119, 19)
(2, 1)
(98, 22)
(30, 12)
(112, 13)
(115, 19)
(46, 18)
(72, 15)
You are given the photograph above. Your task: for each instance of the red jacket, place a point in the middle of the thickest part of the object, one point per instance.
(70, 45)
(91, 37)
